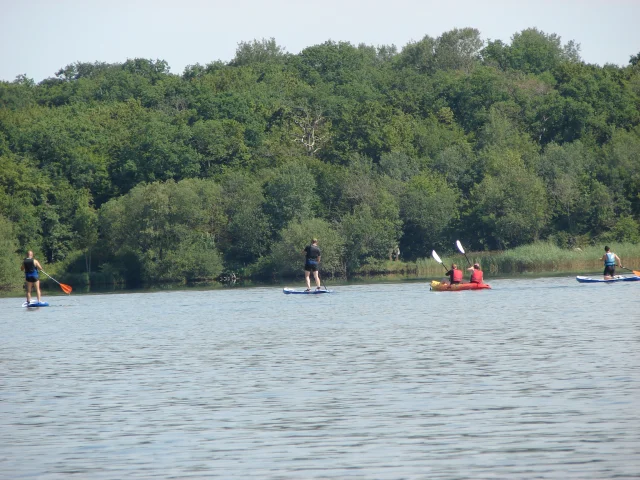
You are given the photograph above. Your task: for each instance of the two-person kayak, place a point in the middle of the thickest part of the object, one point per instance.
(445, 287)
(617, 278)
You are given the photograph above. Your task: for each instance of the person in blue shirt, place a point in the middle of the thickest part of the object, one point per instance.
(609, 258)
(30, 267)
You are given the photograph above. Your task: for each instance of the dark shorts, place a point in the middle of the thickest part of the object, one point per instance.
(311, 266)
(610, 270)
(31, 277)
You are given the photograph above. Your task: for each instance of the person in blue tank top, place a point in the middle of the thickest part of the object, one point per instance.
(609, 258)
(30, 268)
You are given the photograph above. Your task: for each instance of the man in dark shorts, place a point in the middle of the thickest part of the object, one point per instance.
(609, 258)
(30, 268)
(311, 262)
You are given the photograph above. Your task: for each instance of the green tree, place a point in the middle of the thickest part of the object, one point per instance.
(427, 208)
(626, 229)
(247, 235)
(458, 49)
(85, 227)
(220, 143)
(372, 227)
(533, 51)
(258, 51)
(509, 209)
(9, 260)
(289, 195)
(165, 228)
(419, 55)
(286, 257)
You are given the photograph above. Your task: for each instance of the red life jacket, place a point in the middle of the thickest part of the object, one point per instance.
(476, 276)
(457, 275)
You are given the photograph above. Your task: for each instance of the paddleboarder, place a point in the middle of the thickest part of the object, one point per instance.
(311, 262)
(609, 258)
(30, 267)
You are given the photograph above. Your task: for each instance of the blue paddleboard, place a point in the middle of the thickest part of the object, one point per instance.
(293, 291)
(35, 304)
(617, 278)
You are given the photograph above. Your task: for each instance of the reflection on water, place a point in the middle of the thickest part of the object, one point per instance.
(535, 378)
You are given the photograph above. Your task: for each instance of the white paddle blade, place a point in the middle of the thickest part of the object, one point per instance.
(435, 256)
(459, 245)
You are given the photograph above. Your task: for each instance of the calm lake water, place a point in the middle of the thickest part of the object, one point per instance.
(537, 378)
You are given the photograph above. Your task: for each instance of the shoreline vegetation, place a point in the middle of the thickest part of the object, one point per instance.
(542, 258)
(130, 175)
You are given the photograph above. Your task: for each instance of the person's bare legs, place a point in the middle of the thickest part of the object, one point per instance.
(317, 279)
(38, 290)
(29, 285)
(307, 279)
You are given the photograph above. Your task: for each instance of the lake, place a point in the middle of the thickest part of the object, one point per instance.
(536, 378)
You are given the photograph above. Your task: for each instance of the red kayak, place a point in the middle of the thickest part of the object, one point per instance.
(445, 287)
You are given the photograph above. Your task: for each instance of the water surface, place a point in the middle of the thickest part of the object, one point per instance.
(537, 378)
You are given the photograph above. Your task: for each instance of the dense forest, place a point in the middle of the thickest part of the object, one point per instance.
(128, 173)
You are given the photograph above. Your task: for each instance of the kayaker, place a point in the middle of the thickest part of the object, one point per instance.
(609, 258)
(476, 275)
(30, 268)
(311, 262)
(455, 275)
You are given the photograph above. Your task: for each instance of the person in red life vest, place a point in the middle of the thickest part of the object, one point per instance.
(455, 275)
(476, 275)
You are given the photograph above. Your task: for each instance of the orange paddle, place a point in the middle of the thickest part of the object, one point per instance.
(65, 288)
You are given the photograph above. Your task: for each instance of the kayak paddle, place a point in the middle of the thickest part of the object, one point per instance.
(437, 259)
(65, 288)
(459, 245)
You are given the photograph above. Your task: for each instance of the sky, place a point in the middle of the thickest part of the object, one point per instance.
(39, 37)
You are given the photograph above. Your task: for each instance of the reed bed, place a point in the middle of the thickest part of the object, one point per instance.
(541, 257)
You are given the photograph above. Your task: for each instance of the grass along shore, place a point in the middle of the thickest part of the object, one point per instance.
(541, 258)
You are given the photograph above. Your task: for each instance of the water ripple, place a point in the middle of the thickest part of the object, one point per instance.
(533, 379)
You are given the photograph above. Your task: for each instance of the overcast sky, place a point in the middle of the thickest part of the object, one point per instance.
(38, 37)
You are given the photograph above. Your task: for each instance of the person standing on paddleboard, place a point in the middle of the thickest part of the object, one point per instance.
(609, 258)
(476, 275)
(455, 275)
(311, 262)
(30, 268)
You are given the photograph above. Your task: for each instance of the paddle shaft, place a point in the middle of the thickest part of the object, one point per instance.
(635, 272)
(459, 245)
(50, 277)
(65, 288)
(321, 280)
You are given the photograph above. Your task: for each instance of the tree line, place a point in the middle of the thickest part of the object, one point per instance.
(127, 172)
